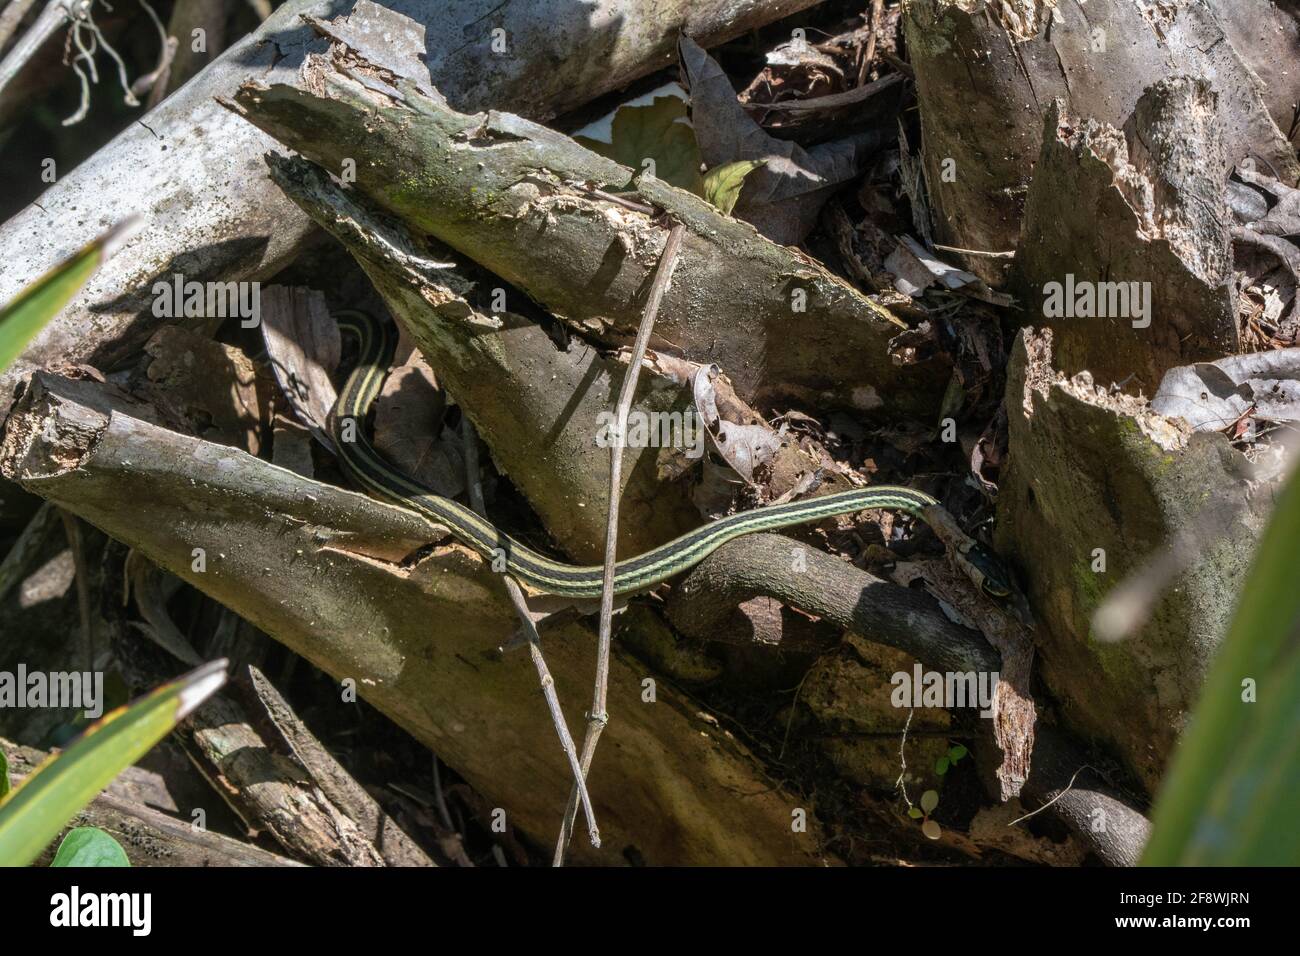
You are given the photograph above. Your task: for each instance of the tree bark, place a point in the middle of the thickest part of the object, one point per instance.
(326, 572)
(986, 73)
(196, 172)
(521, 200)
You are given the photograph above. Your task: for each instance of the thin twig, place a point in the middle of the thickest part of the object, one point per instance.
(877, 15)
(620, 200)
(1064, 790)
(597, 718)
(11, 19)
(48, 23)
(534, 639)
(976, 252)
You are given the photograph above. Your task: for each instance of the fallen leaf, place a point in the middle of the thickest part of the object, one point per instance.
(722, 183)
(1211, 396)
(651, 127)
(783, 198)
(409, 429)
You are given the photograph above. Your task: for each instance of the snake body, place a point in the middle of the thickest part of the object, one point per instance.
(528, 566)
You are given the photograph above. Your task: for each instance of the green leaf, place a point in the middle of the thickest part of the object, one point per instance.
(929, 800)
(89, 846)
(26, 315)
(956, 752)
(34, 813)
(4, 775)
(722, 183)
(915, 813)
(931, 829)
(941, 766)
(656, 131)
(1230, 796)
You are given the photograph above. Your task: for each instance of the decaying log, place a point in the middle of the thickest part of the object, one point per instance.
(536, 403)
(764, 564)
(268, 792)
(338, 786)
(522, 201)
(1126, 251)
(149, 837)
(196, 172)
(987, 72)
(325, 572)
(761, 565)
(1094, 485)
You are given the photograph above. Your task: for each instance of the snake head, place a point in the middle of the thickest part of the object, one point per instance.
(994, 579)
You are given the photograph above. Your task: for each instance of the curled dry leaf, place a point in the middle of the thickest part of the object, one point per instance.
(1211, 396)
(783, 198)
(152, 588)
(745, 447)
(409, 429)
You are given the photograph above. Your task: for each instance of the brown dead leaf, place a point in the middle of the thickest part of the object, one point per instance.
(783, 197)
(409, 429)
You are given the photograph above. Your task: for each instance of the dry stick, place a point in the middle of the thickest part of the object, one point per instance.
(26, 548)
(534, 639)
(48, 23)
(877, 16)
(597, 718)
(11, 19)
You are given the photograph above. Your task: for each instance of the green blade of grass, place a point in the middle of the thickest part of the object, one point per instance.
(41, 301)
(34, 813)
(1230, 796)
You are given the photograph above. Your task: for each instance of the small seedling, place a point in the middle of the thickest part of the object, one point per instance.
(955, 753)
(929, 800)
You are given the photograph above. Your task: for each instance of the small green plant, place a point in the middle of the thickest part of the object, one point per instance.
(929, 800)
(4, 775)
(955, 753)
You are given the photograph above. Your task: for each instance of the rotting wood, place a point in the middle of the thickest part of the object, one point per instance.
(519, 199)
(320, 569)
(197, 172)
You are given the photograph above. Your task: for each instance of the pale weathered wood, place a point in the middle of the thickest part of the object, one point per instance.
(195, 173)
